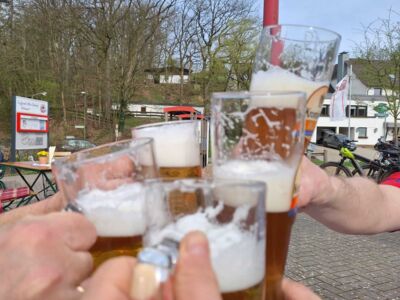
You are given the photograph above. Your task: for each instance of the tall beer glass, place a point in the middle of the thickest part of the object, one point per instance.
(296, 58)
(105, 184)
(177, 147)
(260, 136)
(230, 213)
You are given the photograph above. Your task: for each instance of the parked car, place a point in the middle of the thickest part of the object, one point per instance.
(337, 140)
(74, 145)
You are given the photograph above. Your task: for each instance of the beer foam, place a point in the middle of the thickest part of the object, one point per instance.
(115, 213)
(278, 79)
(237, 257)
(175, 145)
(278, 176)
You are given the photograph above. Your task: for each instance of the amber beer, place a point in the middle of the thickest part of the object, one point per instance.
(275, 130)
(180, 172)
(119, 219)
(107, 247)
(177, 147)
(251, 293)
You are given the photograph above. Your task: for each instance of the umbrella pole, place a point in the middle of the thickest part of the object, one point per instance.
(271, 12)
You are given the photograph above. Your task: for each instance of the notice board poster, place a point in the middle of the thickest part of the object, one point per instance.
(30, 123)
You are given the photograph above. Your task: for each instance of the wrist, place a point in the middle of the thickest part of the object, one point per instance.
(329, 192)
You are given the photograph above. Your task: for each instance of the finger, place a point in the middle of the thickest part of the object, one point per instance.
(78, 266)
(121, 168)
(112, 280)
(77, 231)
(296, 291)
(194, 277)
(112, 184)
(145, 283)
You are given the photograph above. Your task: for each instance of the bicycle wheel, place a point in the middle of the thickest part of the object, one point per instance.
(335, 169)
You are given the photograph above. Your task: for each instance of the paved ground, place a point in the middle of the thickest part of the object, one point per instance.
(348, 267)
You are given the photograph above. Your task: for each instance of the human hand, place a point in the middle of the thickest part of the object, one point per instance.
(315, 184)
(106, 175)
(296, 291)
(45, 257)
(193, 279)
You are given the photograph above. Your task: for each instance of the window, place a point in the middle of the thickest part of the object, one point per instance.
(325, 110)
(361, 111)
(374, 92)
(362, 132)
(377, 92)
(143, 109)
(357, 111)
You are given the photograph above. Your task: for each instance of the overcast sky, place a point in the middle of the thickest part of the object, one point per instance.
(346, 17)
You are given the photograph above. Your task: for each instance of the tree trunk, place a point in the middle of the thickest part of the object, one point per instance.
(107, 92)
(63, 106)
(395, 138)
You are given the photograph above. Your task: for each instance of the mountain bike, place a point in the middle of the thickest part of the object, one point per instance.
(352, 164)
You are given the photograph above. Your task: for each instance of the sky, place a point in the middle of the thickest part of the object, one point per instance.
(346, 17)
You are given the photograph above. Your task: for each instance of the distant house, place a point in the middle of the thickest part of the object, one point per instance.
(167, 75)
(366, 125)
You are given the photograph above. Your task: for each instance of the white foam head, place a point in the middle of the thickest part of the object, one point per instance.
(277, 79)
(278, 176)
(237, 256)
(115, 213)
(176, 143)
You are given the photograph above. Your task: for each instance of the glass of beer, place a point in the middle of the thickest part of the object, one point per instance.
(296, 58)
(105, 183)
(229, 212)
(260, 136)
(177, 147)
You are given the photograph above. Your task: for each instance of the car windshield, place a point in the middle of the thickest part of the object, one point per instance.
(342, 138)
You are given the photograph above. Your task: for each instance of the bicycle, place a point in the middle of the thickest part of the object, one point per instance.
(377, 169)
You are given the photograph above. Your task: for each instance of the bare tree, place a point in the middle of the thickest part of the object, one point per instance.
(380, 54)
(184, 33)
(214, 19)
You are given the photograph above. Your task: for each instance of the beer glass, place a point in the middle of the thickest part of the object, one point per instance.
(105, 184)
(260, 136)
(296, 58)
(229, 212)
(177, 147)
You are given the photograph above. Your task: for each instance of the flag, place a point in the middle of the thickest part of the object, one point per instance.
(337, 111)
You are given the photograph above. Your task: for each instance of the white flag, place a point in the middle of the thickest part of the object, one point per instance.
(337, 110)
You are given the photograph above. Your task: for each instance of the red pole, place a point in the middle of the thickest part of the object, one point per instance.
(271, 12)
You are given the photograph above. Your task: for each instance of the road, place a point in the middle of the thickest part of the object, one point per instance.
(338, 266)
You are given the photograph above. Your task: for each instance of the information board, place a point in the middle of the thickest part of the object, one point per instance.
(30, 123)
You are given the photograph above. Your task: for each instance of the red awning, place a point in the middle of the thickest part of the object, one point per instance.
(179, 109)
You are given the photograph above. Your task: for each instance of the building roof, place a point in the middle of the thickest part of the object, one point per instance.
(361, 69)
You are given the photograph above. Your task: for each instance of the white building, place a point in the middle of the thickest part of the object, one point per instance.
(168, 75)
(365, 124)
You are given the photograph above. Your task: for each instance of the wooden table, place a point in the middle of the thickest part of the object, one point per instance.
(41, 171)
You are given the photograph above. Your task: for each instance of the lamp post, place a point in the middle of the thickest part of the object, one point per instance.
(84, 113)
(41, 93)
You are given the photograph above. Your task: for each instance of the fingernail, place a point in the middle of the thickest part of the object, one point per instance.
(196, 244)
(144, 282)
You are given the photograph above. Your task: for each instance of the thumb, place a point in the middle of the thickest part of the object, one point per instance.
(296, 291)
(194, 277)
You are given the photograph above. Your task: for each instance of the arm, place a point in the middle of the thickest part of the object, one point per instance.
(51, 204)
(353, 205)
